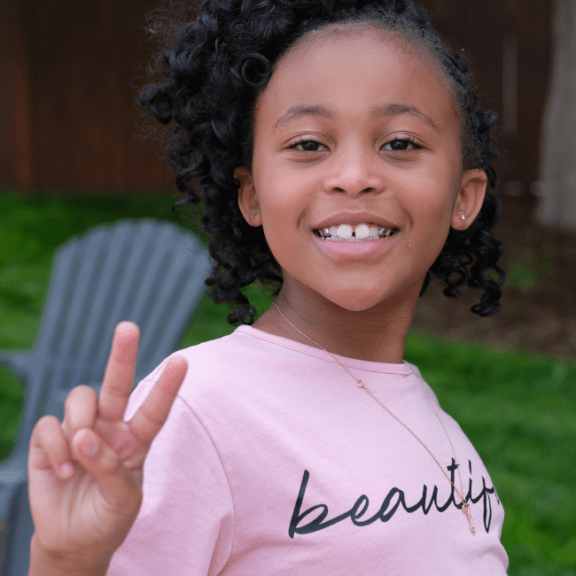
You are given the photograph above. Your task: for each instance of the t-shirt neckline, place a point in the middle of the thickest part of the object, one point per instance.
(353, 363)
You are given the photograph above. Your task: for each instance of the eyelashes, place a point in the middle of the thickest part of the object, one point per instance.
(402, 144)
(305, 141)
(405, 144)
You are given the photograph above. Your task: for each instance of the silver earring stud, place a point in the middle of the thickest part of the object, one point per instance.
(463, 217)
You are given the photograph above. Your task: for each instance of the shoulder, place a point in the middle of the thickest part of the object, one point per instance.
(211, 357)
(231, 364)
(427, 389)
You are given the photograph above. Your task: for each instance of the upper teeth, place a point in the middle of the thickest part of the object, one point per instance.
(358, 232)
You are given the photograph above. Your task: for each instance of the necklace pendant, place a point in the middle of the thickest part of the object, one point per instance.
(360, 383)
(466, 508)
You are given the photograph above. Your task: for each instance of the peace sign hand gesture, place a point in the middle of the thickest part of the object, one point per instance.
(85, 474)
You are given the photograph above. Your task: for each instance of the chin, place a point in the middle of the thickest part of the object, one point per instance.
(357, 298)
(353, 300)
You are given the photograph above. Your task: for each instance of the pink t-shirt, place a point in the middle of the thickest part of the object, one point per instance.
(273, 462)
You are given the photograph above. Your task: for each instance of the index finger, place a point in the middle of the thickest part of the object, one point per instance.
(119, 376)
(150, 417)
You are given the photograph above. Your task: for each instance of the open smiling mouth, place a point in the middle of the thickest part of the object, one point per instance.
(359, 233)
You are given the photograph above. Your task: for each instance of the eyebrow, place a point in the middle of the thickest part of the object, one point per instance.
(382, 110)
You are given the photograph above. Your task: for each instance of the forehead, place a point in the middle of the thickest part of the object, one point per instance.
(355, 68)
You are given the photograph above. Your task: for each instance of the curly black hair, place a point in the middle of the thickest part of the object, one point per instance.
(207, 77)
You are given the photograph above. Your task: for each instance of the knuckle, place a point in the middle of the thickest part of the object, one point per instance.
(85, 389)
(152, 417)
(111, 462)
(47, 424)
(78, 400)
(80, 393)
(48, 436)
(70, 400)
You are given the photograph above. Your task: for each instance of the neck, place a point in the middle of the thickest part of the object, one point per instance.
(376, 334)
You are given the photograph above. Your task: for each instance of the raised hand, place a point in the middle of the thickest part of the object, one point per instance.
(85, 474)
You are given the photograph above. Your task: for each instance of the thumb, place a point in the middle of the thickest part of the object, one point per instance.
(119, 487)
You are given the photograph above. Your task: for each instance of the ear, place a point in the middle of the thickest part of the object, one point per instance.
(247, 198)
(469, 199)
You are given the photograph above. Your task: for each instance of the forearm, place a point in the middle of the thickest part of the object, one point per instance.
(42, 564)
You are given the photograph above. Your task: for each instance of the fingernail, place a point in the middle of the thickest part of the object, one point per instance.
(90, 447)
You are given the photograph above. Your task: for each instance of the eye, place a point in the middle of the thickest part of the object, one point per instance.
(401, 145)
(307, 145)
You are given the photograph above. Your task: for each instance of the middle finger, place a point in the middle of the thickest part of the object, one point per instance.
(119, 376)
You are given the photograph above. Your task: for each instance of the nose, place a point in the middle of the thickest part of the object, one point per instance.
(355, 170)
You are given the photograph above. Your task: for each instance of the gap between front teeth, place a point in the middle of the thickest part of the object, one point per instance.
(346, 232)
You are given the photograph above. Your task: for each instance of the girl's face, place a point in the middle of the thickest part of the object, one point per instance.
(353, 134)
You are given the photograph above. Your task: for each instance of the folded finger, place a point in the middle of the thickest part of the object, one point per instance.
(49, 448)
(119, 375)
(80, 410)
(150, 417)
(117, 485)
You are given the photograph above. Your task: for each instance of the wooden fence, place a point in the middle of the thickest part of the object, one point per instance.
(70, 69)
(69, 115)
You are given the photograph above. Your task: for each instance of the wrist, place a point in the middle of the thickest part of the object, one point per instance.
(43, 563)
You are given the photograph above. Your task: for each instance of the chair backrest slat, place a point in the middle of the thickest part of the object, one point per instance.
(139, 242)
(82, 279)
(125, 255)
(124, 272)
(181, 285)
(37, 393)
(60, 287)
(154, 275)
(108, 272)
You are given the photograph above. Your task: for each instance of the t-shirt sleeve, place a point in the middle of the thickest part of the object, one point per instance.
(186, 522)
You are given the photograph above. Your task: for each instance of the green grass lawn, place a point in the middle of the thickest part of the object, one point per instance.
(518, 410)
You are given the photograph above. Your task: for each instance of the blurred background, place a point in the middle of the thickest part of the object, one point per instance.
(70, 69)
(71, 157)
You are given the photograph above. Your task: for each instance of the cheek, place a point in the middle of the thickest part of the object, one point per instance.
(431, 204)
(432, 197)
(279, 218)
(282, 197)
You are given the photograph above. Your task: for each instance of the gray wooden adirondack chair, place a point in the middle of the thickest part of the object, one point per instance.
(146, 271)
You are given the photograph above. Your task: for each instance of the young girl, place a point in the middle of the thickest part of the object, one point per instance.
(338, 151)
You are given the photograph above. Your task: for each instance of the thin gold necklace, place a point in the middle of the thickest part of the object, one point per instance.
(362, 385)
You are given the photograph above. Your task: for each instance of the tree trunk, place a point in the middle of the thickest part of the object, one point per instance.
(558, 170)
